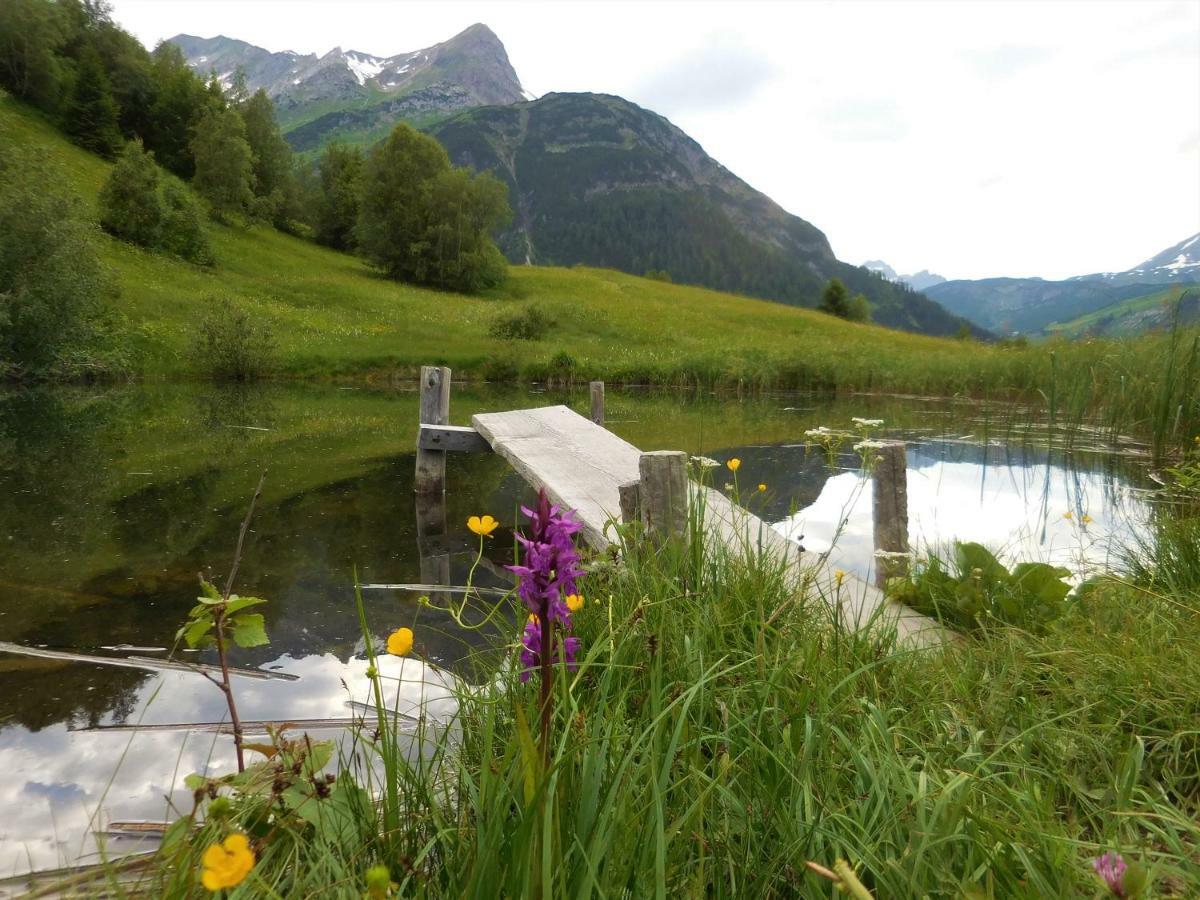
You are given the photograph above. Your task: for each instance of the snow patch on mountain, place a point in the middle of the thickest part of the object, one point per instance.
(364, 67)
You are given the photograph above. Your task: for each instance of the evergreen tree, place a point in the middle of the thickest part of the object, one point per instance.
(835, 300)
(130, 206)
(180, 101)
(224, 164)
(91, 114)
(336, 205)
(272, 158)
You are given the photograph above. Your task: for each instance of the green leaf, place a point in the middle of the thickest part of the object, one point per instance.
(971, 557)
(196, 633)
(209, 590)
(237, 603)
(175, 837)
(529, 756)
(248, 630)
(195, 782)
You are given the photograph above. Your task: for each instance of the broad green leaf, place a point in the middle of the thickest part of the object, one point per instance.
(237, 603)
(195, 781)
(209, 590)
(248, 630)
(197, 633)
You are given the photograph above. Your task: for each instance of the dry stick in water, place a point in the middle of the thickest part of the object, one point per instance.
(220, 623)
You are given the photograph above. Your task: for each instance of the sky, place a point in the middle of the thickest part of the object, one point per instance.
(971, 138)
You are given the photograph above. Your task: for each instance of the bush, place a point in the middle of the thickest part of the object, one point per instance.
(140, 206)
(54, 293)
(230, 344)
(979, 589)
(530, 324)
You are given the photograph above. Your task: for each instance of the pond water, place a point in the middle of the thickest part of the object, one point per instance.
(113, 499)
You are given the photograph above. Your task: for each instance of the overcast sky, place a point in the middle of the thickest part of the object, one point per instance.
(971, 138)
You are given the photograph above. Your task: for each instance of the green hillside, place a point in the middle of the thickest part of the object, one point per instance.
(1136, 315)
(333, 315)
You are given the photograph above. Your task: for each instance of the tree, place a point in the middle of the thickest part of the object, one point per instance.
(181, 100)
(859, 309)
(31, 34)
(130, 206)
(394, 201)
(835, 299)
(336, 208)
(140, 205)
(272, 159)
(53, 289)
(421, 220)
(224, 164)
(91, 113)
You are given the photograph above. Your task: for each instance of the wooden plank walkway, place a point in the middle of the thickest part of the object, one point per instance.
(582, 465)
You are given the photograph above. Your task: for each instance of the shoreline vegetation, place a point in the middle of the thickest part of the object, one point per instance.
(711, 731)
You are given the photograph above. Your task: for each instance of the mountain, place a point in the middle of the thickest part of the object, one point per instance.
(1179, 303)
(1180, 262)
(1032, 305)
(596, 180)
(356, 96)
(918, 281)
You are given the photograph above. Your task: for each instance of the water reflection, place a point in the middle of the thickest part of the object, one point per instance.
(113, 499)
(1025, 504)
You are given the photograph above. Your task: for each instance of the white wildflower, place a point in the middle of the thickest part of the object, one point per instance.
(818, 432)
(869, 445)
(866, 423)
(705, 462)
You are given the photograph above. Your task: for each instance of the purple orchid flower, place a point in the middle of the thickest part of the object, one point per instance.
(1111, 869)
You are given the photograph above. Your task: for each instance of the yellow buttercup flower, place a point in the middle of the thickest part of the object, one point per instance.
(1086, 519)
(840, 576)
(1068, 515)
(574, 602)
(762, 488)
(227, 864)
(734, 464)
(482, 525)
(533, 618)
(400, 643)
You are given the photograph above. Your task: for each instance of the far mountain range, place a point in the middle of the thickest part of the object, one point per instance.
(1118, 302)
(593, 179)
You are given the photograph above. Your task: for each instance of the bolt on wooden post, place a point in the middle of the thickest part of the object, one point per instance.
(430, 475)
(891, 512)
(663, 493)
(596, 389)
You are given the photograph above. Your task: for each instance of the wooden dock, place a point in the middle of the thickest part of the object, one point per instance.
(584, 467)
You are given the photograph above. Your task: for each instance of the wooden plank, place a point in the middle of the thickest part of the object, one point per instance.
(139, 662)
(583, 467)
(596, 392)
(452, 439)
(579, 463)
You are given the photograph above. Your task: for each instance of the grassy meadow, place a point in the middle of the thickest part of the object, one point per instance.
(332, 316)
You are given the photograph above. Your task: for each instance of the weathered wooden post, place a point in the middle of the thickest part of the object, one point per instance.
(630, 502)
(891, 512)
(435, 410)
(663, 493)
(597, 391)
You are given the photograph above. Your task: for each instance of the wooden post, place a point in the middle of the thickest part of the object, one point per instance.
(597, 392)
(891, 512)
(435, 410)
(431, 541)
(631, 504)
(663, 492)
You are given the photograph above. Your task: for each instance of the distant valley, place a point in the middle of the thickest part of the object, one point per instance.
(1105, 303)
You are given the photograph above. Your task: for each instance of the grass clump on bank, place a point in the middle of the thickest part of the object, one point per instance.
(720, 734)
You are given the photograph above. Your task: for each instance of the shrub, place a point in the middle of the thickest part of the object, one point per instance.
(140, 206)
(979, 588)
(530, 324)
(230, 344)
(53, 290)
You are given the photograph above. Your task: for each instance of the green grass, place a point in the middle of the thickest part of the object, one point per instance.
(1125, 318)
(720, 733)
(333, 317)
